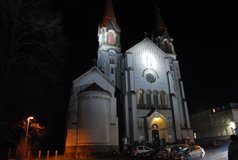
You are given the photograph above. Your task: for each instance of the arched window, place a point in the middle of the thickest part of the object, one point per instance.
(112, 70)
(112, 61)
(111, 38)
(139, 96)
(163, 99)
(156, 99)
(154, 126)
(167, 46)
(148, 98)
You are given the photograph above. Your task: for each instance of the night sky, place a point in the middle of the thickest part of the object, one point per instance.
(205, 40)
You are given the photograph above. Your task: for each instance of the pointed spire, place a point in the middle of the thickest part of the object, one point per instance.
(160, 35)
(159, 26)
(109, 14)
(109, 10)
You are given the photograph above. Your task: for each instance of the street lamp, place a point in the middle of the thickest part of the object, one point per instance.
(27, 128)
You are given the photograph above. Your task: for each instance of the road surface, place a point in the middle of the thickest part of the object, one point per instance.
(217, 153)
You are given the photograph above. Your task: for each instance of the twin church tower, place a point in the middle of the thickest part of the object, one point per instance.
(128, 98)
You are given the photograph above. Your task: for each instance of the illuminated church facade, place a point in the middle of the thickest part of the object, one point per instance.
(128, 98)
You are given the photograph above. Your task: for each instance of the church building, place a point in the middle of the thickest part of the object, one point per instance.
(136, 97)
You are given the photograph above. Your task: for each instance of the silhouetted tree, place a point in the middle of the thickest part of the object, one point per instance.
(32, 61)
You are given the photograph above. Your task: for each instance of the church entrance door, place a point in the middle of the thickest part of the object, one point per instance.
(155, 134)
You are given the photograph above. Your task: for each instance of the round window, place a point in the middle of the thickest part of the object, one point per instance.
(150, 77)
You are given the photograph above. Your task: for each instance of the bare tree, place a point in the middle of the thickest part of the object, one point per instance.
(32, 60)
(36, 132)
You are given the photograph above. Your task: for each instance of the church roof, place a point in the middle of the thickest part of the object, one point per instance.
(145, 43)
(95, 87)
(108, 15)
(91, 71)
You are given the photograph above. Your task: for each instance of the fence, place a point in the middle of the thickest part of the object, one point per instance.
(11, 154)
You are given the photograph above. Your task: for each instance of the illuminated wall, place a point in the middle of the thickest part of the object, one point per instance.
(94, 117)
(222, 119)
(153, 82)
(92, 122)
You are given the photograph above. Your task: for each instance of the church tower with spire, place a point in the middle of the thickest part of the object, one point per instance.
(109, 43)
(160, 35)
(129, 98)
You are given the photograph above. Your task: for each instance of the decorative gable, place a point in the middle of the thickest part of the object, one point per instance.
(93, 78)
(146, 46)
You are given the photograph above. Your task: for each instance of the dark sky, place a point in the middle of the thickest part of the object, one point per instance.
(205, 39)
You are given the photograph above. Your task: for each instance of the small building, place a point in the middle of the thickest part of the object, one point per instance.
(217, 122)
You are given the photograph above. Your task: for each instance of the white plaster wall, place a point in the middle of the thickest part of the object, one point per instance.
(95, 111)
(94, 117)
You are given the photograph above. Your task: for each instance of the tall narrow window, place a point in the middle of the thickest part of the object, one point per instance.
(112, 61)
(156, 99)
(167, 46)
(139, 97)
(111, 38)
(163, 99)
(148, 98)
(112, 70)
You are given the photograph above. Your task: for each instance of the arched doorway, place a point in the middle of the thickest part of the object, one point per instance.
(158, 130)
(155, 134)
